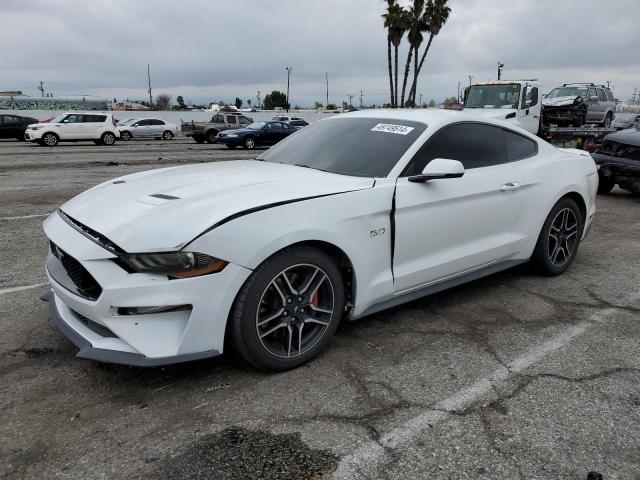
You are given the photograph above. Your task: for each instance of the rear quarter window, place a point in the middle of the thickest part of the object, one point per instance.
(519, 147)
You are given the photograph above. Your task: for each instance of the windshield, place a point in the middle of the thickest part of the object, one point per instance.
(362, 147)
(58, 118)
(493, 96)
(128, 121)
(568, 92)
(256, 125)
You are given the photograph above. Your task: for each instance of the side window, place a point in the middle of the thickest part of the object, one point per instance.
(601, 95)
(157, 122)
(73, 119)
(592, 93)
(519, 146)
(94, 118)
(531, 97)
(474, 144)
(610, 95)
(231, 120)
(218, 119)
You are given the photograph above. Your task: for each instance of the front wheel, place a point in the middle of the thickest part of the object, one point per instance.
(605, 185)
(126, 136)
(211, 136)
(50, 140)
(607, 120)
(108, 138)
(288, 310)
(559, 239)
(167, 135)
(249, 143)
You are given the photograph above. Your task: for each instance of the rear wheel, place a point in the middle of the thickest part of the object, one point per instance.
(126, 136)
(287, 311)
(108, 138)
(607, 120)
(605, 185)
(559, 239)
(50, 139)
(167, 135)
(211, 136)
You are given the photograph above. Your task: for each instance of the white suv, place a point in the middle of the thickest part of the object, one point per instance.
(74, 127)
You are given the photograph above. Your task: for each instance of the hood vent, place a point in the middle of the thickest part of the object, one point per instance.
(164, 196)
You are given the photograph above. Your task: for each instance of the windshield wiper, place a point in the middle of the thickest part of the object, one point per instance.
(313, 168)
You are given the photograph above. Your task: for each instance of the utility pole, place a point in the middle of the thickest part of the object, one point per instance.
(361, 95)
(259, 104)
(421, 101)
(41, 88)
(149, 78)
(288, 79)
(458, 91)
(326, 74)
(350, 98)
(500, 66)
(470, 79)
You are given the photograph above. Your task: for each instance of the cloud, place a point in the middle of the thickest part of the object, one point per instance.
(210, 50)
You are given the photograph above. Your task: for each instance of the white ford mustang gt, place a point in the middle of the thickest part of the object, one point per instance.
(348, 216)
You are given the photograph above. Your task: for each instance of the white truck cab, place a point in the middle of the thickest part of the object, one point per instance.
(517, 101)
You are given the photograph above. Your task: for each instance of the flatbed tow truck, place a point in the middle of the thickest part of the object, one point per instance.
(520, 102)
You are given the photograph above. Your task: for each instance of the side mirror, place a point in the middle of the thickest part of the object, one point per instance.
(439, 168)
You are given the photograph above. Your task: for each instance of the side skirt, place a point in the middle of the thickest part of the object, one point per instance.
(438, 287)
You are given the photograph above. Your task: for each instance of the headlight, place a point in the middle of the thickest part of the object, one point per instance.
(232, 135)
(174, 265)
(36, 127)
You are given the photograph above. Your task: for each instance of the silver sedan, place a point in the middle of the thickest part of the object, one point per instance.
(147, 128)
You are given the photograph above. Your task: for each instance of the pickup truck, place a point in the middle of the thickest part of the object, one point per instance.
(207, 131)
(516, 101)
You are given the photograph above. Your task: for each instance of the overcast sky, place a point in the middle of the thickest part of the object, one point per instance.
(218, 49)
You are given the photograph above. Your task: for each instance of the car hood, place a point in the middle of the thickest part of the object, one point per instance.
(495, 113)
(559, 101)
(165, 209)
(630, 136)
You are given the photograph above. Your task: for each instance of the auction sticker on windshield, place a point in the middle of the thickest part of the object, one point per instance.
(391, 128)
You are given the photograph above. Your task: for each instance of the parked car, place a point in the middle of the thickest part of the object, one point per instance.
(351, 215)
(14, 126)
(74, 127)
(577, 104)
(298, 123)
(618, 161)
(147, 128)
(286, 118)
(206, 131)
(256, 134)
(625, 120)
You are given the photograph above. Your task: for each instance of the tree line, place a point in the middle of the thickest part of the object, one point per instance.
(422, 17)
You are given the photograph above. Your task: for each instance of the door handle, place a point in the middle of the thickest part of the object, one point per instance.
(509, 187)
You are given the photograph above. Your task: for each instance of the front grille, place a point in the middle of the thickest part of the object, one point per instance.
(93, 326)
(85, 285)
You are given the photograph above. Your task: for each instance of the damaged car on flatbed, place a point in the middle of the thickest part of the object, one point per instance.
(618, 161)
(577, 104)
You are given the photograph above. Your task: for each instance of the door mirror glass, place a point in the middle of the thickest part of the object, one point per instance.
(439, 168)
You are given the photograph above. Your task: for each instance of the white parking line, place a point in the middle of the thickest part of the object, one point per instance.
(24, 287)
(26, 216)
(363, 462)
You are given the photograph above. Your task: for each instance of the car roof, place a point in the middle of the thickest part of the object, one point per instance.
(433, 117)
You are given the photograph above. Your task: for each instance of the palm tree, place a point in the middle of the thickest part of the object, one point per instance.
(398, 26)
(388, 23)
(435, 16)
(414, 19)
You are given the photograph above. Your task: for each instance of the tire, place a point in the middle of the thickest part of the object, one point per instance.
(249, 143)
(605, 185)
(231, 146)
(108, 139)
(607, 120)
(266, 324)
(211, 136)
(559, 239)
(199, 139)
(50, 139)
(167, 135)
(125, 136)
